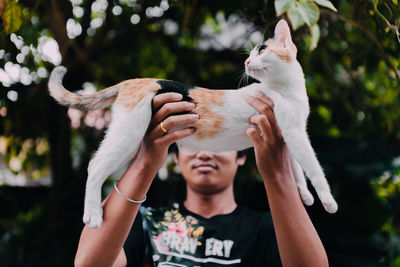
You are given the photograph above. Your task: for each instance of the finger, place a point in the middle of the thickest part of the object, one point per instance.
(260, 105)
(271, 115)
(259, 94)
(171, 108)
(265, 108)
(161, 99)
(268, 126)
(173, 122)
(254, 136)
(262, 122)
(174, 136)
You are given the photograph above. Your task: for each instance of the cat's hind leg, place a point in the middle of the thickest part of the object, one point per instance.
(120, 144)
(302, 151)
(301, 183)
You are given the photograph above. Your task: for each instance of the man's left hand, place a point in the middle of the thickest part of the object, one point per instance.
(272, 155)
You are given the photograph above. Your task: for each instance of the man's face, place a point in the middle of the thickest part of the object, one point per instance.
(207, 172)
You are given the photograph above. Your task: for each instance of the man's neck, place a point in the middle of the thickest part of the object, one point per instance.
(209, 205)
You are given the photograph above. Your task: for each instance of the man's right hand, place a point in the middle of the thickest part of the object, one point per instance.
(154, 148)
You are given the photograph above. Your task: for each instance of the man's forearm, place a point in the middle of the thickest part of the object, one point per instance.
(298, 241)
(100, 247)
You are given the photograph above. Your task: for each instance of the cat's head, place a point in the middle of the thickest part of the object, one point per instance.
(273, 57)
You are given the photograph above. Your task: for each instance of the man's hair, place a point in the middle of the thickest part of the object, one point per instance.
(174, 148)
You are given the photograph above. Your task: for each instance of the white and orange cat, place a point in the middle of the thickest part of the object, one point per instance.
(224, 118)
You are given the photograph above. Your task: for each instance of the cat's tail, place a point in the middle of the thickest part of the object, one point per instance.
(98, 100)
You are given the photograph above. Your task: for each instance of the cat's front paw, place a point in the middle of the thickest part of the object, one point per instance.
(93, 217)
(329, 203)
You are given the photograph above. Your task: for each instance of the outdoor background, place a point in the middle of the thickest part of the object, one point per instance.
(350, 53)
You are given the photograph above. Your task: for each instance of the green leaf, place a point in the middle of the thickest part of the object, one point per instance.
(295, 16)
(29, 33)
(281, 6)
(324, 113)
(302, 13)
(12, 19)
(395, 2)
(309, 11)
(328, 4)
(315, 34)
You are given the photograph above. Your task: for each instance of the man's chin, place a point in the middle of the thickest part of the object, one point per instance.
(209, 189)
(204, 176)
(205, 179)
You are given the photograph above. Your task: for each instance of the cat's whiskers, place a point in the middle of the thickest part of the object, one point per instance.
(243, 79)
(247, 77)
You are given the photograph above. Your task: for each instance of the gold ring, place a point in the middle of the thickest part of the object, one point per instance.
(165, 130)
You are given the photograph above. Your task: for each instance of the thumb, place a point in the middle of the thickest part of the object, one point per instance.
(254, 136)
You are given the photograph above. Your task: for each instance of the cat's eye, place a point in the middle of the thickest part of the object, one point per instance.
(261, 48)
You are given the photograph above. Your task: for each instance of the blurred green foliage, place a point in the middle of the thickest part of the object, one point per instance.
(12, 16)
(352, 77)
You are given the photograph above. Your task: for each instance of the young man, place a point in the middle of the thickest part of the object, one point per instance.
(243, 238)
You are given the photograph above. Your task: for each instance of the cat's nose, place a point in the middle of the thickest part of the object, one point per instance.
(247, 62)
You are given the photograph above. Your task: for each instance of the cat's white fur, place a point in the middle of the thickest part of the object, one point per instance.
(281, 80)
(120, 145)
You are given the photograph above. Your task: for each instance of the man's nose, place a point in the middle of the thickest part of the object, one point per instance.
(204, 154)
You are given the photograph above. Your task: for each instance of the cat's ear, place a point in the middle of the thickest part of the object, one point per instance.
(282, 33)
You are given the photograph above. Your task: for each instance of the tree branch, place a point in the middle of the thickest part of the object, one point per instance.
(370, 36)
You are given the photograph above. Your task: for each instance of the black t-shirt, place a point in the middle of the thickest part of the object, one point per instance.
(174, 236)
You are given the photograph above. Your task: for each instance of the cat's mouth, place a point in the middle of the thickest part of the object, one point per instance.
(259, 69)
(256, 70)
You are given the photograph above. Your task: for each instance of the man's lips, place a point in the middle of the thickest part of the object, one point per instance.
(204, 167)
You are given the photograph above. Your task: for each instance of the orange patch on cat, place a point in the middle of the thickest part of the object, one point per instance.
(207, 96)
(282, 52)
(210, 123)
(131, 92)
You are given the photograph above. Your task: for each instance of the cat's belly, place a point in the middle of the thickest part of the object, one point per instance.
(233, 122)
